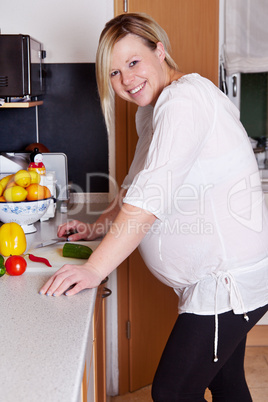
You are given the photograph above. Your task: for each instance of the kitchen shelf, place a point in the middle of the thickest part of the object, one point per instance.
(21, 105)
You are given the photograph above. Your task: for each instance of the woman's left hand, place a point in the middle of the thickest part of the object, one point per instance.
(128, 229)
(79, 276)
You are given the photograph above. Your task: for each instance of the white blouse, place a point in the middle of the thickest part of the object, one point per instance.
(195, 170)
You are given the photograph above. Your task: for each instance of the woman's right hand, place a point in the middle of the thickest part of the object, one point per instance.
(76, 230)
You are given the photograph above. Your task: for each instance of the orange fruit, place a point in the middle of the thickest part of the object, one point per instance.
(2, 198)
(36, 192)
(47, 192)
(15, 193)
(22, 178)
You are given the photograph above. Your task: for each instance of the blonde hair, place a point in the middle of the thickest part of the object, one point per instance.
(139, 24)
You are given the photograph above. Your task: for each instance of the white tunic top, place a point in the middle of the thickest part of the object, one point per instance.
(195, 170)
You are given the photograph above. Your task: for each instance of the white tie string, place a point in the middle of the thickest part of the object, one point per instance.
(235, 298)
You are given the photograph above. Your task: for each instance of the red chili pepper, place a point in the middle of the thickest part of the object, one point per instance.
(39, 259)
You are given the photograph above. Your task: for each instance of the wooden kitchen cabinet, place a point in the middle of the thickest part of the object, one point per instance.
(94, 378)
(147, 309)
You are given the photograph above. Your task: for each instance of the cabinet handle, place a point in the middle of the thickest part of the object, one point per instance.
(125, 6)
(223, 79)
(106, 293)
(234, 86)
(104, 280)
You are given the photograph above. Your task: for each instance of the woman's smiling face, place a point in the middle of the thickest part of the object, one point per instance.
(136, 72)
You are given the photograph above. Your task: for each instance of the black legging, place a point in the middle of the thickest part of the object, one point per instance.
(186, 367)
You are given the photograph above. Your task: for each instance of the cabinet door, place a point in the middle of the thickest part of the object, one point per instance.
(149, 307)
(100, 347)
(192, 27)
(93, 387)
(88, 385)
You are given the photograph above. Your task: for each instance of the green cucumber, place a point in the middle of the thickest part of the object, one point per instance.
(76, 251)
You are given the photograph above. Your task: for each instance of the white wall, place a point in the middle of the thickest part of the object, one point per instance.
(69, 30)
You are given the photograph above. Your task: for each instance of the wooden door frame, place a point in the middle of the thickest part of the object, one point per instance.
(122, 162)
(121, 166)
(121, 169)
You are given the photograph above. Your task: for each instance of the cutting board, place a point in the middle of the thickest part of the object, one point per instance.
(54, 255)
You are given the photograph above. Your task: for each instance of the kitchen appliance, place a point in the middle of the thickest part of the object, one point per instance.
(21, 73)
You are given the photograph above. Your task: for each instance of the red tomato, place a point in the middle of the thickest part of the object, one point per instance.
(15, 265)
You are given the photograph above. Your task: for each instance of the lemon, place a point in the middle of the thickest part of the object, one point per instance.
(15, 193)
(35, 177)
(1, 189)
(5, 180)
(11, 183)
(22, 178)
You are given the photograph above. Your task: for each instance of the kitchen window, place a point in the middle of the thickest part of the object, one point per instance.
(253, 105)
(244, 62)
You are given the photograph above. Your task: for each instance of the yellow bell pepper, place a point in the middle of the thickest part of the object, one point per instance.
(12, 239)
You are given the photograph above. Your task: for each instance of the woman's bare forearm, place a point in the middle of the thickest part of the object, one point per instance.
(124, 235)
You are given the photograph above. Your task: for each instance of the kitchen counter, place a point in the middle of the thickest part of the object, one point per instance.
(43, 340)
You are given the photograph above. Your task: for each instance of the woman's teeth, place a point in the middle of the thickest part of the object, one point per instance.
(137, 89)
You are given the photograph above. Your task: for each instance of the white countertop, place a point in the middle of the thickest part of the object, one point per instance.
(43, 339)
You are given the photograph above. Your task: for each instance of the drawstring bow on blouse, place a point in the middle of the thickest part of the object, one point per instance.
(235, 298)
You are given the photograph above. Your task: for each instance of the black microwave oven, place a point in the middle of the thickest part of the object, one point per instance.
(21, 70)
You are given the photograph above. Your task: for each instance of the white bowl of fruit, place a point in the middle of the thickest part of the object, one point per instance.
(23, 200)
